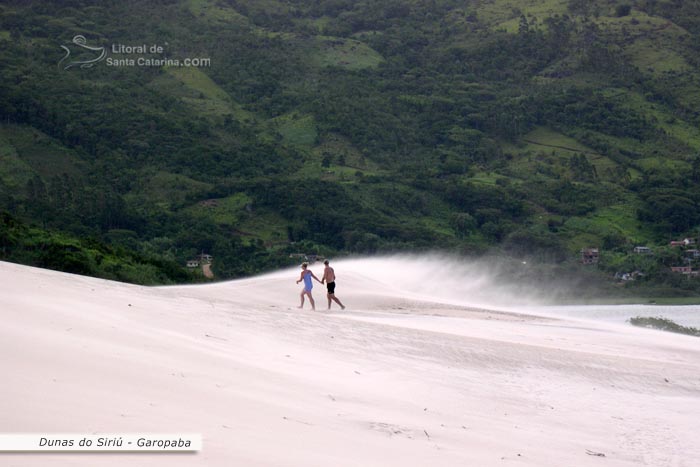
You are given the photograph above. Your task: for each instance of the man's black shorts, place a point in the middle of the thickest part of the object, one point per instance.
(331, 287)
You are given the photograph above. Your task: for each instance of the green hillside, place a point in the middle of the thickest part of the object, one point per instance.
(530, 129)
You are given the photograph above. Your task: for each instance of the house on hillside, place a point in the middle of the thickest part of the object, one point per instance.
(693, 254)
(204, 258)
(642, 250)
(209, 203)
(628, 276)
(200, 261)
(684, 242)
(590, 255)
(683, 270)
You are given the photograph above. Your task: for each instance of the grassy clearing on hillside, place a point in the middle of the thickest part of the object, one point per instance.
(42, 154)
(345, 53)
(316, 25)
(199, 81)
(396, 199)
(530, 167)
(652, 58)
(661, 163)
(622, 218)
(664, 119)
(341, 152)
(546, 139)
(265, 225)
(486, 178)
(439, 225)
(296, 129)
(690, 92)
(505, 14)
(313, 168)
(649, 42)
(199, 92)
(582, 79)
(639, 149)
(14, 172)
(639, 25)
(278, 7)
(166, 189)
(581, 240)
(604, 166)
(223, 211)
(336, 159)
(215, 11)
(320, 23)
(613, 221)
(555, 150)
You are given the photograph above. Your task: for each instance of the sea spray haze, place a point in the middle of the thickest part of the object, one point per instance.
(485, 282)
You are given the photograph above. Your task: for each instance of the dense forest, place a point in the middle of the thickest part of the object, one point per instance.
(529, 130)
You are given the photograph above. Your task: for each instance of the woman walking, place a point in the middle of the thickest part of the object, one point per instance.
(307, 276)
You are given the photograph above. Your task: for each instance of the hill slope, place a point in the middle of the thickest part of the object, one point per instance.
(342, 127)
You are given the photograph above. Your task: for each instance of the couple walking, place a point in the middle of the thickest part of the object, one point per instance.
(328, 278)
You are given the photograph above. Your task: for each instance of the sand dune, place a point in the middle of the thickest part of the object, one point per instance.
(408, 375)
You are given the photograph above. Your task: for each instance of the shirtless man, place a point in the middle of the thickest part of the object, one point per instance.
(329, 279)
(306, 276)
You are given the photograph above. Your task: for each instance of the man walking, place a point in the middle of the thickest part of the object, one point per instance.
(329, 279)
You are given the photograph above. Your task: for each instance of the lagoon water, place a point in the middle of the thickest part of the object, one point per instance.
(686, 315)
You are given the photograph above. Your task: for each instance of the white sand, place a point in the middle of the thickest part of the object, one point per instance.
(395, 380)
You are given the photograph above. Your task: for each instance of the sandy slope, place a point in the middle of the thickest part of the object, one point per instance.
(397, 379)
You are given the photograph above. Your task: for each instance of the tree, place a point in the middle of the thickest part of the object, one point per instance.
(670, 211)
(326, 161)
(523, 26)
(623, 10)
